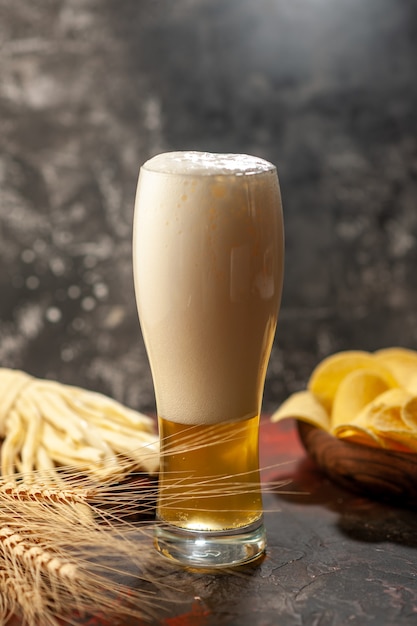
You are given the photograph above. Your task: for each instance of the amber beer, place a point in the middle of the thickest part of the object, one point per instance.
(208, 266)
(210, 476)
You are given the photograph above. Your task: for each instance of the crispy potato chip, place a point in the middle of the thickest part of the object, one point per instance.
(383, 417)
(303, 405)
(391, 434)
(402, 363)
(391, 398)
(327, 376)
(409, 414)
(387, 421)
(356, 434)
(384, 412)
(395, 446)
(369, 399)
(356, 391)
(412, 385)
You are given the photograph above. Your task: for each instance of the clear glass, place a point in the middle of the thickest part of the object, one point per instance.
(208, 265)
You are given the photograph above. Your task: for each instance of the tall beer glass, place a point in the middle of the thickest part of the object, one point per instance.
(208, 267)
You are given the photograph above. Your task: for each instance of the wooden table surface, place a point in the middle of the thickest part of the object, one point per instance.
(334, 558)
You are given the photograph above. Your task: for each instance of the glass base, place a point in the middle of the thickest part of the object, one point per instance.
(211, 549)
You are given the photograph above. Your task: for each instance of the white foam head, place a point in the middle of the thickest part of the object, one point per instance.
(208, 259)
(207, 164)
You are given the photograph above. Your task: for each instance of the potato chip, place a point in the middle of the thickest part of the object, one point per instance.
(402, 364)
(327, 376)
(304, 406)
(369, 399)
(409, 414)
(356, 391)
(384, 412)
(412, 384)
(383, 417)
(391, 398)
(396, 446)
(387, 420)
(356, 434)
(392, 431)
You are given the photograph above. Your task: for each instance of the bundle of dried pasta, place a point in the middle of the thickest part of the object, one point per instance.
(45, 424)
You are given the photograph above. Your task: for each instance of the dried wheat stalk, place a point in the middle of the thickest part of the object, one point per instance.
(52, 561)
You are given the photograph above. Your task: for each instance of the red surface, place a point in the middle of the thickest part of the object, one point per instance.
(280, 448)
(198, 616)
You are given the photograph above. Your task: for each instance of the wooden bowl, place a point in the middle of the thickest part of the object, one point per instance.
(374, 472)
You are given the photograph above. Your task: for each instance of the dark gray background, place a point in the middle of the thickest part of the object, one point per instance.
(89, 89)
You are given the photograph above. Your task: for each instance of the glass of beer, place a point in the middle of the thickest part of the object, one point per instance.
(208, 266)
